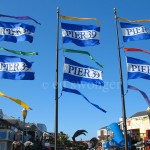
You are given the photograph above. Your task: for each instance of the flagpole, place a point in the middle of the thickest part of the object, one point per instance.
(56, 83)
(121, 85)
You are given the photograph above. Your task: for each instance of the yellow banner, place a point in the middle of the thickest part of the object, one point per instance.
(16, 100)
(76, 18)
(124, 19)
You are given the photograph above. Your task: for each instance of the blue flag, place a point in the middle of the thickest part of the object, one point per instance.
(138, 68)
(134, 32)
(16, 32)
(81, 35)
(15, 68)
(118, 136)
(78, 73)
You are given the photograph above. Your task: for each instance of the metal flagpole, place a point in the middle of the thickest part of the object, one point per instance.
(56, 83)
(122, 88)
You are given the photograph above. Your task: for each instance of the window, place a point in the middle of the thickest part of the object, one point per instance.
(102, 132)
(3, 135)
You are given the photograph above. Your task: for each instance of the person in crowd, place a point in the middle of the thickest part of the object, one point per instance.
(17, 145)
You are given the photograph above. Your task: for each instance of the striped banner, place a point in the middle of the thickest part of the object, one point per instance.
(134, 21)
(83, 52)
(20, 18)
(19, 52)
(135, 50)
(76, 18)
(143, 93)
(78, 93)
(16, 100)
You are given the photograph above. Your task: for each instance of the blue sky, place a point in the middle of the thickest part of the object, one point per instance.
(74, 112)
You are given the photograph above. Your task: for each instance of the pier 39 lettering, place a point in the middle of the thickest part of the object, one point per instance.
(139, 68)
(13, 67)
(14, 31)
(82, 72)
(81, 35)
(134, 31)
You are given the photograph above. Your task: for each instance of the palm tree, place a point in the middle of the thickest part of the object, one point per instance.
(63, 138)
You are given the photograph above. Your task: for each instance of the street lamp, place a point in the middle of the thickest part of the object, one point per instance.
(24, 114)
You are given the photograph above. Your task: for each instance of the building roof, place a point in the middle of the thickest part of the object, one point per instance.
(8, 117)
(138, 114)
(32, 126)
(14, 124)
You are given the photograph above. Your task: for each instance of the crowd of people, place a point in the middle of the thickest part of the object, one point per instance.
(30, 143)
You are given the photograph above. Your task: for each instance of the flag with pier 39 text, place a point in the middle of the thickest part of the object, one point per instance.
(78, 73)
(81, 35)
(138, 68)
(16, 32)
(134, 32)
(15, 68)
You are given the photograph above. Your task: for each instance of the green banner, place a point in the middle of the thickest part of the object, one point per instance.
(83, 52)
(19, 52)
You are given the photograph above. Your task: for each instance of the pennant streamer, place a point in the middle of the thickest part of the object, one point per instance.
(143, 93)
(16, 100)
(78, 93)
(20, 18)
(135, 50)
(76, 18)
(81, 35)
(83, 52)
(134, 21)
(134, 32)
(81, 74)
(138, 68)
(19, 52)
